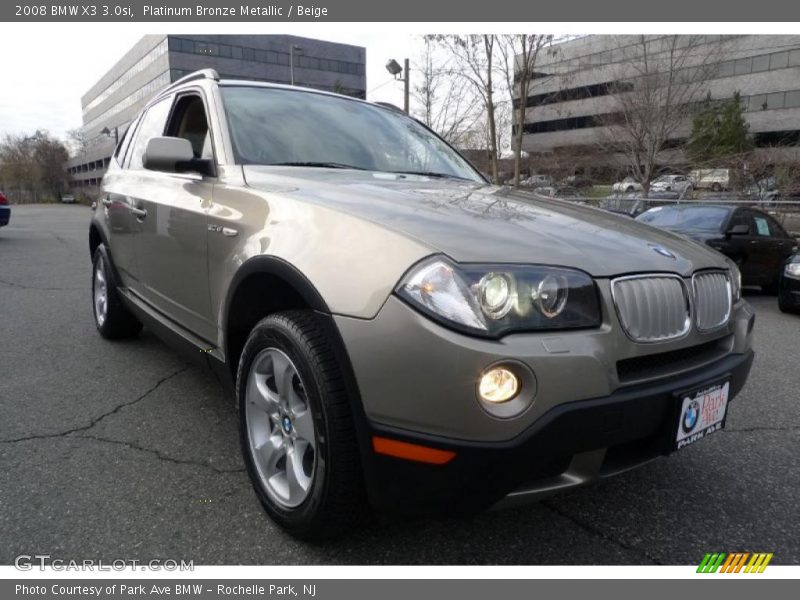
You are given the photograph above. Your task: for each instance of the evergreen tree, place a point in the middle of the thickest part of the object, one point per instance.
(719, 131)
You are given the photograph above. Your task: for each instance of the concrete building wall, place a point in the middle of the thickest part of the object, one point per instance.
(762, 68)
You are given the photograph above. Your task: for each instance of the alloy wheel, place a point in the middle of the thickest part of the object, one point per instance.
(282, 437)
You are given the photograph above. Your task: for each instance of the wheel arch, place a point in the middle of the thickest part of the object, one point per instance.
(251, 282)
(261, 286)
(96, 237)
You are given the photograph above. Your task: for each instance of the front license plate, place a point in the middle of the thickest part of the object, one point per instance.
(702, 413)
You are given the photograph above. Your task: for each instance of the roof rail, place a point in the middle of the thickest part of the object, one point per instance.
(390, 106)
(201, 74)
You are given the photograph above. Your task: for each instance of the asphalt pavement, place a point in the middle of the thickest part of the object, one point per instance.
(115, 450)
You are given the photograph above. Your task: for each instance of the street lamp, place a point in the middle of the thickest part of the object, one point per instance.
(292, 49)
(107, 131)
(395, 70)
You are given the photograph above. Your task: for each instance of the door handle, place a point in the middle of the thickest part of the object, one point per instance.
(139, 213)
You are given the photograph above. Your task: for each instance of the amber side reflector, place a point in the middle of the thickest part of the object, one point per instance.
(413, 452)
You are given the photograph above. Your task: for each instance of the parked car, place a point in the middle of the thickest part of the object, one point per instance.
(578, 181)
(558, 191)
(627, 186)
(755, 241)
(537, 181)
(398, 332)
(789, 286)
(5, 210)
(679, 184)
(631, 206)
(716, 180)
(68, 199)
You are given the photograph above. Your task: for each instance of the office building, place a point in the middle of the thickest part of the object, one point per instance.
(576, 87)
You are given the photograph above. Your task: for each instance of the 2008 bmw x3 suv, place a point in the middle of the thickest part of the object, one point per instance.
(398, 332)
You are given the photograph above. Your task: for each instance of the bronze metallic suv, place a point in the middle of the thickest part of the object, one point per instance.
(399, 332)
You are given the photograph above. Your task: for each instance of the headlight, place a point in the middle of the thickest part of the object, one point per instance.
(792, 270)
(491, 300)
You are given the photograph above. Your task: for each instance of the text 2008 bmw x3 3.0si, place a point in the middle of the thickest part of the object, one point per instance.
(400, 333)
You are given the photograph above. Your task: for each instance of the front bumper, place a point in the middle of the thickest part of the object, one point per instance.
(789, 291)
(570, 445)
(415, 374)
(602, 403)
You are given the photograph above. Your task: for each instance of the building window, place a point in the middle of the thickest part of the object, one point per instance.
(775, 100)
(743, 66)
(792, 99)
(760, 63)
(758, 102)
(779, 60)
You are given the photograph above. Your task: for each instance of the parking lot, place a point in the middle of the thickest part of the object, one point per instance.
(123, 450)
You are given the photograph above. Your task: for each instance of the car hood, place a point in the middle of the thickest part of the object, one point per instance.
(473, 222)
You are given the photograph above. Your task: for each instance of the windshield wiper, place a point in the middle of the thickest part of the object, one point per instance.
(434, 174)
(322, 165)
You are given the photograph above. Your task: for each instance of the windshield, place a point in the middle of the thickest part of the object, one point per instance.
(685, 217)
(273, 126)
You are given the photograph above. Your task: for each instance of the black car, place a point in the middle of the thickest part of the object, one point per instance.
(789, 287)
(754, 240)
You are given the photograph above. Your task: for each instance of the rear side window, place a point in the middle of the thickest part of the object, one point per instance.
(152, 125)
(767, 226)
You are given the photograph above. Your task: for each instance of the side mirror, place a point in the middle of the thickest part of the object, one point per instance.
(738, 230)
(174, 155)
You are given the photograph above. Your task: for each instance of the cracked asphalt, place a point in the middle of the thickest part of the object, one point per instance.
(123, 450)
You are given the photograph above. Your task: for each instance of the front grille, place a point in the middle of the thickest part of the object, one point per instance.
(639, 368)
(652, 308)
(712, 299)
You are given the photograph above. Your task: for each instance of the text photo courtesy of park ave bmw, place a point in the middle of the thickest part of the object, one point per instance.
(287, 289)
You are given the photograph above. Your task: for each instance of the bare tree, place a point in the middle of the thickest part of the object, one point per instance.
(518, 65)
(33, 164)
(657, 91)
(448, 103)
(473, 58)
(77, 141)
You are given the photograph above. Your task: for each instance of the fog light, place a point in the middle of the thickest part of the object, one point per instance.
(498, 385)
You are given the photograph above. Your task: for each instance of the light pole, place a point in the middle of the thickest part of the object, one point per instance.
(395, 69)
(292, 49)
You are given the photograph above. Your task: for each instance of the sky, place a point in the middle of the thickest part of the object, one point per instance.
(50, 69)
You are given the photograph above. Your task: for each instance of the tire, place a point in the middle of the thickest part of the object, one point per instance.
(786, 306)
(111, 318)
(629, 190)
(716, 187)
(307, 472)
(770, 290)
